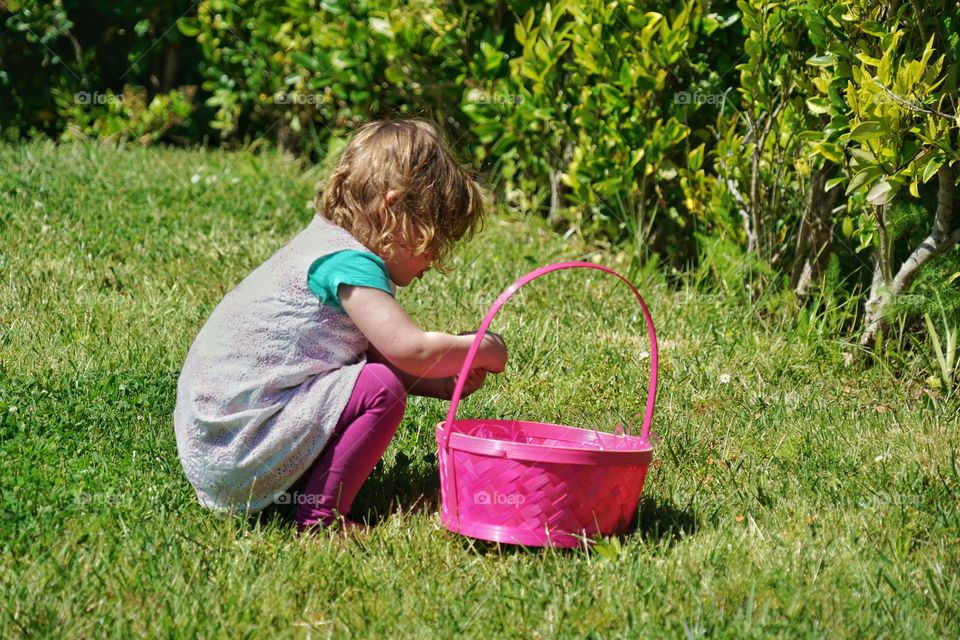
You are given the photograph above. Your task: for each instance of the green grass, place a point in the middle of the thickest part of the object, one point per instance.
(802, 497)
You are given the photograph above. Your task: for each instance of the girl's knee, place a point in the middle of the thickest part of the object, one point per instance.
(391, 393)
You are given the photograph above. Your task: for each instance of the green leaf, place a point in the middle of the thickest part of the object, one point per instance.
(519, 33)
(542, 51)
(381, 26)
(626, 81)
(531, 73)
(394, 75)
(695, 158)
(881, 193)
(504, 144)
(832, 183)
(874, 28)
(864, 177)
(946, 371)
(334, 7)
(862, 156)
(868, 130)
(825, 60)
(830, 151)
(818, 106)
(847, 226)
(932, 167)
(867, 60)
(608, 549)
(305, 61)
(189, 27)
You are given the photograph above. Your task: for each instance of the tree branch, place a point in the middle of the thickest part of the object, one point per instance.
(940, 238)
(916, 108)
(742, 207)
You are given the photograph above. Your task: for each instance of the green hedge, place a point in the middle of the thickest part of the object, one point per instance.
(808, 134)
(119, 69)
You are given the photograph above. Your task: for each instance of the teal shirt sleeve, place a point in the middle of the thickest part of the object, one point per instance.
(356, 268)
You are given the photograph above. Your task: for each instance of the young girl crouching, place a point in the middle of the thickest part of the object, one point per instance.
(300, 376)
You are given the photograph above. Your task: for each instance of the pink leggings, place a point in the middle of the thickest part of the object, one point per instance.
(366, 426)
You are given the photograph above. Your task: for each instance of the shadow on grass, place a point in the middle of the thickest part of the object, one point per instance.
(404, 487)
(657, 522)
(414, 487)
(662, 522)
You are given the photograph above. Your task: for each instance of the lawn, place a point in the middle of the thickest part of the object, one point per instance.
(796, 491)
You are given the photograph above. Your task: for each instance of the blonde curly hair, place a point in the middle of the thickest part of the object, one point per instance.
(440, 201)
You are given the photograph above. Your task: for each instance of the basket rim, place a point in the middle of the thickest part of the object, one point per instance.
(529, 452)
(516, 286)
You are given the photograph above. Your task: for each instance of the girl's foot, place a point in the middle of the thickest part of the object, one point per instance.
(343, 525)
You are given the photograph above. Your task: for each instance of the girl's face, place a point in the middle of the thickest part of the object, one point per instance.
(407, 265)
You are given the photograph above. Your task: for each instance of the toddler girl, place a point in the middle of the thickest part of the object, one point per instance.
(299, 378)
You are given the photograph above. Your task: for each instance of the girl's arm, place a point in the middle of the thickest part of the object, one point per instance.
(440, 388)
(408, 348)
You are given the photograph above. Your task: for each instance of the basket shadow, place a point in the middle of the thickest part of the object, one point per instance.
(656, 522)
(413, 486)
(406, 486)
(662, 522)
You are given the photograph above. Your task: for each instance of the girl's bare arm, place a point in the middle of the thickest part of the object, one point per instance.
(408, 348)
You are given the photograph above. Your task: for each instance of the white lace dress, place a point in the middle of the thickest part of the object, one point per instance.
(266, 379)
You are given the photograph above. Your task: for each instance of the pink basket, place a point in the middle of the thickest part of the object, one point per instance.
(540, 484)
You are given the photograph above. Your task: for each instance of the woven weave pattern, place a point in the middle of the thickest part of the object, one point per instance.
(536, 501)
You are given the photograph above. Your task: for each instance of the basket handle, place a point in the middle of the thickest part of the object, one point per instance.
(512, 289)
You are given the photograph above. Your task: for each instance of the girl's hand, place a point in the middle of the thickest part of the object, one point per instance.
(403, 344)
(492, 355)
(474, 381)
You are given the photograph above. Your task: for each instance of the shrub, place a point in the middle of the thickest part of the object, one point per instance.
(592, 124)
(64, 63)
(307, 72)
(836, 138)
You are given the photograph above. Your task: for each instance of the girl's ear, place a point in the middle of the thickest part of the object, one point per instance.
(392, 197)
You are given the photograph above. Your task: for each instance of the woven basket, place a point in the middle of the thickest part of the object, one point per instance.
(540, 484)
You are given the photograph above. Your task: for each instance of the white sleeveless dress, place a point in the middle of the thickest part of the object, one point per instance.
(266, 379)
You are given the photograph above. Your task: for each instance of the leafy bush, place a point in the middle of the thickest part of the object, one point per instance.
(808, 134)
(128, 115)
(65, 63)
(847, 111)
(591, 125)
(307, 72)
(887, 76)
